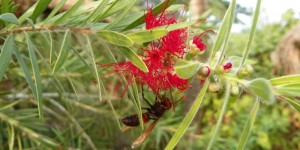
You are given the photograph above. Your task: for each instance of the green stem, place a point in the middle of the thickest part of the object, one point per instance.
(222, 112)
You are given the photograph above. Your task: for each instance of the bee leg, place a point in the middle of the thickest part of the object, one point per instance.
(145, 98)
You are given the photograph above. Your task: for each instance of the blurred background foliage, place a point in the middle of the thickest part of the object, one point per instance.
(76, 119)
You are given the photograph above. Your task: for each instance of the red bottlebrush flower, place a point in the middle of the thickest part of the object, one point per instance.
(160, 57)
(198, 42)
(227, 66)
(153, 21)
(175, 81)
(174, 42)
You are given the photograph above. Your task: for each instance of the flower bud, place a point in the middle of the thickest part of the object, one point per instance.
(227, 67)
(215, 87)
(204, 71)
(235, 90)
(245, 71)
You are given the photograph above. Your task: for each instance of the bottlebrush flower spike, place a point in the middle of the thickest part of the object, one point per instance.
(159, 56)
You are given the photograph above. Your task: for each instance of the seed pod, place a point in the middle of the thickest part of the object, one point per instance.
(245, 71)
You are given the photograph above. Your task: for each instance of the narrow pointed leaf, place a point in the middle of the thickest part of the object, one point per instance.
(248, 126)
(5, 55)
(95, 69)
(9, 17)
(36, 74)
(26, 72)
(56, 9)
(187, 120)
(133, 58)
(97, 11)
(39, 9)
(262, 88)
(289, 90)
(223, 31)
(27, 14)
(252, 32)
(121, 15)
(186, 69)
(291, 102)
(228, 30)
(127, 20)
(28, 131)
(147, 35)
(64, 51)
(69, 13)
(112, 8)
(115, 38)
(285, 80)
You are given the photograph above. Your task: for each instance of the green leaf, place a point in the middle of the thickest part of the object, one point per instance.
(112, 9)
(223, 34)
(37, 76)
(97, 11)
(56, 9)
(5, 6)
(127, 20)
(176, 26)
(133, 58)
(289, 90)
(115, 38)
(291, 102)
(146, 35)
(26, 72)
(95, 69)
(69, 13)
(230, 22)
(186, 69)
(285, 80)
(64, 51)
(156, 10)
(262, 88)
(27, 14)
(5, 56)
(28, 131)
(39, 9)
(121, 15)
(252, 33)
(187, 120)
(248, 126)
(9, 17)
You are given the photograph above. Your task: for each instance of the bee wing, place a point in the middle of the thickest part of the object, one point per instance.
(143, 136)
